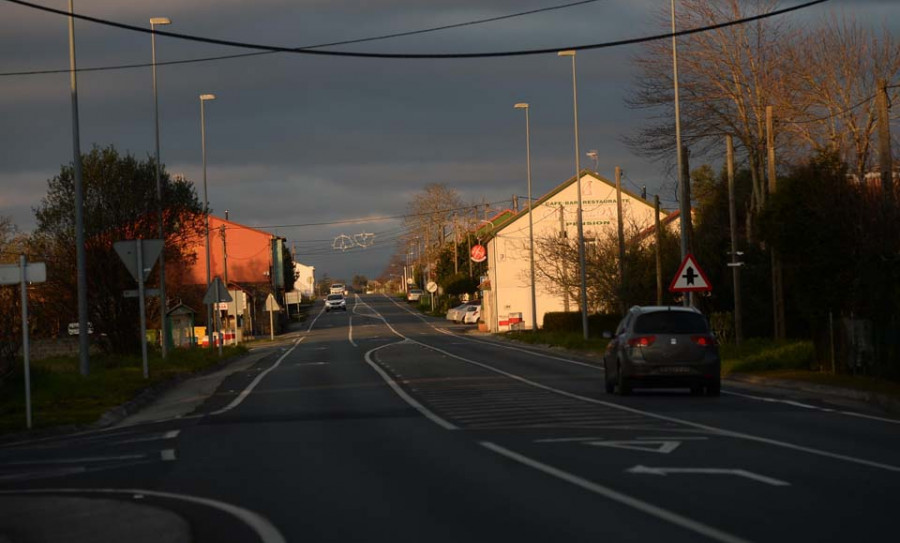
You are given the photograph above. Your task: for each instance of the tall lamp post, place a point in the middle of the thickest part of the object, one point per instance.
(584, 317)
(159, 192)
(203, 99)
(684, 205)
(84, 363)
(530, 220)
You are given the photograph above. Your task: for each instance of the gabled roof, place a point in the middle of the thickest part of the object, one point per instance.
(559, 188)
(232, 224)
(497, 222)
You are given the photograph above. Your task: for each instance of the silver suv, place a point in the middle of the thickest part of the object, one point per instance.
(663, 346)
(335, 301)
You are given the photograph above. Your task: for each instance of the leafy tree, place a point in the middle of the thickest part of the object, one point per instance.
(360, 282)
(12, 244)
(119, 204)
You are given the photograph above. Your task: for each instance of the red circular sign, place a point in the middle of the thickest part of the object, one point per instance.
(479, 253)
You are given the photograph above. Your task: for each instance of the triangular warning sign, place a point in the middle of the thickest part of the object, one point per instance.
(690, 277)
(662, 447)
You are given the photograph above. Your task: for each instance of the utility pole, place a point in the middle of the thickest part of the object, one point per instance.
(469, 246)
(621, 238)
(777, 288)
(659, 284)
(515, 203)
(884, 144)
(455, 245)
(735, 265)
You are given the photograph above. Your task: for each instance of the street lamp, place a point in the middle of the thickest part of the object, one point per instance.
(530, 220)
(203, 99)
(159, 193)
(584, 318)
(684, 205)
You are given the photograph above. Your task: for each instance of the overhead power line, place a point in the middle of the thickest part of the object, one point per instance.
(317, 46)
(360, 54)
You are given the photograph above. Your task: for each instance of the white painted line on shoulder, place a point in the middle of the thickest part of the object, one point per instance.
(808, 406)
(350, 330)
(264, 529)
(614, 495)
(246, 392)
(167, 455)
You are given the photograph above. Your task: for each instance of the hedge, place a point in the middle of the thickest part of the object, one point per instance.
(570, 321)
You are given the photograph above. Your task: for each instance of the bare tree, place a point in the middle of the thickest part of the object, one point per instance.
(838, 68)
(430, 212)
(727, 77)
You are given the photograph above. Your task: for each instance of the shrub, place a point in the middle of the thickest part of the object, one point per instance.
(570, 321)
(797, 355)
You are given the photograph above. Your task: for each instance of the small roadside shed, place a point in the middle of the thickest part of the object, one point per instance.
(181, 324)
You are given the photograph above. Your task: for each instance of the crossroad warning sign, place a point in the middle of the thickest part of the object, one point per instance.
(690, 277)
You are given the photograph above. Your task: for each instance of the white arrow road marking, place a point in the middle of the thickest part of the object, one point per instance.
(708, 471)
(616, 496)
(662, 447)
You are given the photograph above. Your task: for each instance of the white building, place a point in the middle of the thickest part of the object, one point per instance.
(304, 285)
(554, 213)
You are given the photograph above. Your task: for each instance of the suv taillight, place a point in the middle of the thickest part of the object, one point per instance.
(703, 341)
(641, 341)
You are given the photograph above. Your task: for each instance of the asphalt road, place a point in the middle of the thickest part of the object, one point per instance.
(381, 425)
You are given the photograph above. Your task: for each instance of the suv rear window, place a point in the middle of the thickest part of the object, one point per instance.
(671, 322)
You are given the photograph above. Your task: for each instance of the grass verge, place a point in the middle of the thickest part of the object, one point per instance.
(566, 340)
(60, 395)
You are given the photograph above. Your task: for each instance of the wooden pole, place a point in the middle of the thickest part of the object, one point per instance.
(735, 265)
(621, 225)
(659, 283)
(777, 289)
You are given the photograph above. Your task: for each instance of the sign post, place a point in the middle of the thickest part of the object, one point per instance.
(139, 256)
(271, 307)
(24, 273)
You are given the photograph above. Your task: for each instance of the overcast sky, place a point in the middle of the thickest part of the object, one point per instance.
(297, 139)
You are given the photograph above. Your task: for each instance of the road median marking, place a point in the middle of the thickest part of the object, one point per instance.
(246, 392)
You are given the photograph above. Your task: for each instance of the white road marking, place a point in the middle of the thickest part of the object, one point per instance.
(266, 531)
(713, 429)
(350, 331)
(76, 460)
(311, 324)
(661, 447)
(167, 455)
(808, 406)
(246, 392)
(708, 471)
(402, 393)
(43, 474)
(614, 495)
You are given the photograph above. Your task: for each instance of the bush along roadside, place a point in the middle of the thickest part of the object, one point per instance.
(760, 355)
(61, 396)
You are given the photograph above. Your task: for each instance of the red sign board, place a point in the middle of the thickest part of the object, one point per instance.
(478, 253)
(690, 278)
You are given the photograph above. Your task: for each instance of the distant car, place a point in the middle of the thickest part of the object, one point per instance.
(338, 288)
(472, 314)
(658, 346)
(73, 328)
(414, 294)
(335, 301)
(456, 314)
